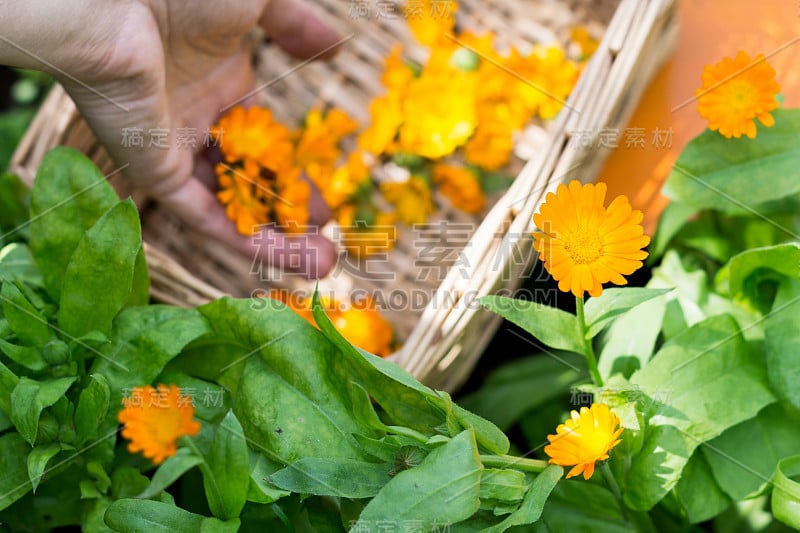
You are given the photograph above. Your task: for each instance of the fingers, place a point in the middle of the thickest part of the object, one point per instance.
(296, 29)
(310, 255)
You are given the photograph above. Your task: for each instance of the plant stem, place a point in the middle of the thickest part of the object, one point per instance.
(509, 461)
(611, 481)
(591, 360)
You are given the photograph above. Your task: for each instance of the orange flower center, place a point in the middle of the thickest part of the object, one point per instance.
(583, 246)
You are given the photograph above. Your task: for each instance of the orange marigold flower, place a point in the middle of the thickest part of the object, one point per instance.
(386, 116)
(431, 20)
(154, 419)
(461, 186)
(345, 180)
(491, 146)
(412, 199)
(737, 91)
(320, 136)
(584, 244)
(584, 439)
(244, 195)
(291, 206)
(588, 44)
(397, 74)
(254, 134)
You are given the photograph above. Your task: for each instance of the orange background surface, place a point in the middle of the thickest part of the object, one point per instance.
(709, 31)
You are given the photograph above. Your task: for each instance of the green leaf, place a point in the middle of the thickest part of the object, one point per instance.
(555, 328)
(709, 379)
(522, 385)
(30, 358)
(261, 490)
(170, 471)
(673, 218)
(625, 352)
(782, 343)
(583, 507)
(136, 516)
(214, 525)
(731, 175)
(8, 381)
(227, 478)
(502, 485)
(601, 311)
(98, 279)
(698, 492)
(744, 457)
(17, 264)
(14, 483)
(38, 459)
(442, 490)
(14, 199)
(488, 435)
(92, 407)
(29, 398)
(345, 478)
(25, 320)
(143, 340)
(68, 197)
(786, 492)
(531, 508)
(140, 285)
(782, 258)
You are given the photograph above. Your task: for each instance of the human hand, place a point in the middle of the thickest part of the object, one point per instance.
(159, 65)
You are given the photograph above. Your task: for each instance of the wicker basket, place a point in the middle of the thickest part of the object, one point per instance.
(443, 332)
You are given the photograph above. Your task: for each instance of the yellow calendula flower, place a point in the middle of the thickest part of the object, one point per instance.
(588, 44)
(547, 77)
(396, 73)
(291, 205)
(461, 187)
(491, 146)
(737, 91)
(386, 116)
(345, 180)
(320, 137)
(254, 134)
(584, 244)
(244, 195)
(431, 20)
(362, 325)
(439, 113)
(154, 419)
(362, 238)
(584, 439)
(412, 199)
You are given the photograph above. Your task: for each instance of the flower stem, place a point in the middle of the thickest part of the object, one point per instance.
(611, 481)
(509, 461)
(591, 360)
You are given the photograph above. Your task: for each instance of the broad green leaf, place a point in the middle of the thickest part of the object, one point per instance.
(698, 492)
(783, 344)
(601, 311)
(37, 461)
(629, 343)
(261, 490)
(531, 508)
(782, 258)
(29, 398)
(14, 197)
(143, 340)
(25, 320)
(17, 264)
(136, 516)
(488, 435)
(786, 492)
(705, 380)
(553, 327)
(98, 279)
(732, 175)
(673, 218)
(27, 356)
(92, 407)
(8, 381)
(744, 457)
(584, 507)
(14, 482)
(524, 384)
(345, 478)
(227, 477)
(140, 285)
(68, 197)
(502, 485)
(407, 401)
(214, 525)
(442, 490)
(170, 471)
